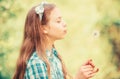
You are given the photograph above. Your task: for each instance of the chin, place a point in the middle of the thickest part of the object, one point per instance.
(60, 38)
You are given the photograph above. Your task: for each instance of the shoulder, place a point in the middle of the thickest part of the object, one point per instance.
(35, 60)
(36, 68)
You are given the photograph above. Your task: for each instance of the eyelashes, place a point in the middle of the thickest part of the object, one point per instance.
(58, 21)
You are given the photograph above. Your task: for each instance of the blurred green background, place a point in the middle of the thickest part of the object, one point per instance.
(93, 33)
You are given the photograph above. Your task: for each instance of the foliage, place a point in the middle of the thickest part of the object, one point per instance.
(110, 29)
(7, 13)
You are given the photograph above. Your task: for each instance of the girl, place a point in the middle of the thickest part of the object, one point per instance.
(38, 57)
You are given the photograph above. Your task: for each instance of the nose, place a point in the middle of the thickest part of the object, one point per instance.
(64, 24)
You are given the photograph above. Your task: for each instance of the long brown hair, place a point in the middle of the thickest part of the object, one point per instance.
(34, 40)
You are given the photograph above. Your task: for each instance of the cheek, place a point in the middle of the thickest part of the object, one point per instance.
(55, 27)
(56, 32)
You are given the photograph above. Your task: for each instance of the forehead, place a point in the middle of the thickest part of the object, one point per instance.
(55, 14)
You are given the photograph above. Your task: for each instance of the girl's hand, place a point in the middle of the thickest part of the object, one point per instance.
(87, 70)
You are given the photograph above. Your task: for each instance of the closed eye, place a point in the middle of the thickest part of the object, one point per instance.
(58, 21)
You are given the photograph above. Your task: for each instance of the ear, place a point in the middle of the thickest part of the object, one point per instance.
(45, 29)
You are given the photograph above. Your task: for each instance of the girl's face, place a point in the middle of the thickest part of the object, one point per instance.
(56, 27)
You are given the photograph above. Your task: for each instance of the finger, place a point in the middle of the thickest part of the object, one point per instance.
(91, 63)
(91, 75)
(87, 68)
(90, 70)
(95, 70)
(87, 62)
